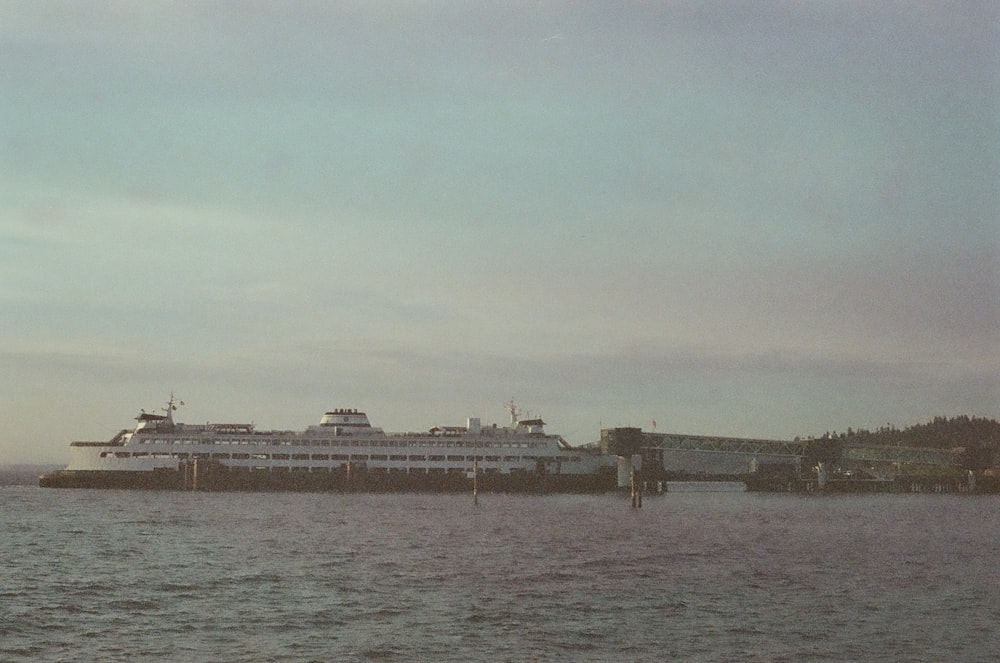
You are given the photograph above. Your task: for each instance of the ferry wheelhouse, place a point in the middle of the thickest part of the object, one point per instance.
(343, 452)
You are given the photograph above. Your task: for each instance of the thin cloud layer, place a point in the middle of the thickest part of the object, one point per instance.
(747, 220)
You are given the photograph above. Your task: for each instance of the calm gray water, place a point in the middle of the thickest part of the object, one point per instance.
(694, 575)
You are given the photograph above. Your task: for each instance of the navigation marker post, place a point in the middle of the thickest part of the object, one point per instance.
(636, 491)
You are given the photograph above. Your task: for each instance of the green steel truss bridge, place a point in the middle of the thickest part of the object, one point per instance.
(731, 445)
(654, 445)
(859, 455)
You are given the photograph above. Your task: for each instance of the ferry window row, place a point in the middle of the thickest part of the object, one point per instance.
(334, 457)
(346, 442)
(372, 470)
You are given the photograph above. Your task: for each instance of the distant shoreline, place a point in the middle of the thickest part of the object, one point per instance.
(24, 474)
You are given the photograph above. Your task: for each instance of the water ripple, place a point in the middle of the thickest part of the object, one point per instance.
(88, 575)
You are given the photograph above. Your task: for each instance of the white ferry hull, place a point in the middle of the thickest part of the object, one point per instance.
(343, 453)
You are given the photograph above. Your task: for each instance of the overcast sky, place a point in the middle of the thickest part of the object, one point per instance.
(735, 218)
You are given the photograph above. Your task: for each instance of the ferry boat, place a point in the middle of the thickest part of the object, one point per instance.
(344, 452)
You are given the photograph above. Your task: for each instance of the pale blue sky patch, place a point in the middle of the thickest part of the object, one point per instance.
(764, 220)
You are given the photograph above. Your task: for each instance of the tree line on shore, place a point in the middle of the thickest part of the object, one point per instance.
(977, 436)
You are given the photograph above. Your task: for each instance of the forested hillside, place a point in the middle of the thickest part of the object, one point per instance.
(978, 437)
(939, 433)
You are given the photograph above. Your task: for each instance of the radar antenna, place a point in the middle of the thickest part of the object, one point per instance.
(172, 405)
(513, 411)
